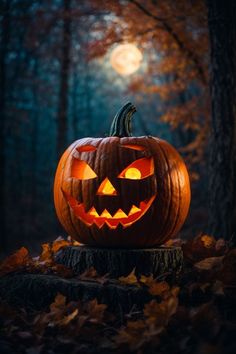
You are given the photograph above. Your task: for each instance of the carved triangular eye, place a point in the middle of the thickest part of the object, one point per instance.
(138, 169)
(81, 170)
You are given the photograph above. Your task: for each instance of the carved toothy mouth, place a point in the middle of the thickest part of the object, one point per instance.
(120, 217)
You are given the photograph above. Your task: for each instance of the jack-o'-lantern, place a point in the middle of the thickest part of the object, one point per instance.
(122, 191)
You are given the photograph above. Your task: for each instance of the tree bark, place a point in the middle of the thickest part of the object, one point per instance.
(121, 262)
(37, 291)
(65, 67)
(5, 38)
(222, 164)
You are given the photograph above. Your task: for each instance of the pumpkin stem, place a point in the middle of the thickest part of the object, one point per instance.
(121, 124)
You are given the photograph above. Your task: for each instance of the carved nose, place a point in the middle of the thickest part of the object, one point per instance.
(106, 188)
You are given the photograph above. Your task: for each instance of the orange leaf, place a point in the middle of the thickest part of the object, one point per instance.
(208, 241)
(59, 243)
(130, 279)
(46, 254)
(17, 260)
(159, 288)
(95, 310)
(67, 319)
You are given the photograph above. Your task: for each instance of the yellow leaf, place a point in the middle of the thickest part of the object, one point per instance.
(67, 319)
(130, 279)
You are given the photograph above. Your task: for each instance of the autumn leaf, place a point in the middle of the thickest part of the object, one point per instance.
(46, 255)
(67, 319)
(95, 310)
(16, 261)
(208, 241)
(62, 271)
(147, 280)
(131, 335)
(218, 287)
(227, 273)
(158, 288)
(58, 304)
(59, 243)
(160, 313)
(209, 263)
(173, 242)
(203, 246)
(131, 279)
(89, 273)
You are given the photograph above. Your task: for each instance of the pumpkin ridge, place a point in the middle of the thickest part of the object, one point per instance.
(70, 224)
(68, 207)
(179, 203)
(170, 186)
(171, 233)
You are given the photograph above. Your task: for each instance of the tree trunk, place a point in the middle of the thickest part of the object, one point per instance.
(121, 262)
(37, 291)
(5, 37)
(222, 166)
(65, 67)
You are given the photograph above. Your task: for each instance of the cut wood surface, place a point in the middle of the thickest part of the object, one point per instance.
(120, 262)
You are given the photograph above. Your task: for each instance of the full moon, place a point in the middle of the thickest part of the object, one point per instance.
(126, 59)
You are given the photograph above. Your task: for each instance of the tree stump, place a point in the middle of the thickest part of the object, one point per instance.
(121, 262)
(38, 291)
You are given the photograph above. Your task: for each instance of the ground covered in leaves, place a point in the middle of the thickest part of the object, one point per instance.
(196, 314)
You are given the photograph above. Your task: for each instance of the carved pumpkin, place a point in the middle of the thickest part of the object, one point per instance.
(121, 191)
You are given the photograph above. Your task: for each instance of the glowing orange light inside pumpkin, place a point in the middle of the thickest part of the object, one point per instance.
(93, 212)
(120, 214)
(106, 188)
(85, 148)
(134, 210)
(120, 217)
(81, 170)
(138, 169)
(133, 173)
(105, 214)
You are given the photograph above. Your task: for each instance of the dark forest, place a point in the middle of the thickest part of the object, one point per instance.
(66, 69)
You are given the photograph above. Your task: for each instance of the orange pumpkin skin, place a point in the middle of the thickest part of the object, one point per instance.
(159, 195)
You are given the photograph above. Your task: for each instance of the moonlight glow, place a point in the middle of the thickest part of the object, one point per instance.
(126, 59)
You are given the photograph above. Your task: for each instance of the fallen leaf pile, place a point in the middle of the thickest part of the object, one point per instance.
(21, 261)
(196, 315)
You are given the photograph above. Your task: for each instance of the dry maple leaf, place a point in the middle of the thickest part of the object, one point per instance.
(173, 242)
(159, 288)
(131, 335)
(59, 243)
(68, 318)
(203, 246)
(59, 303)
(62, 271)
(15, 261)
(158, 314)
(89, 273)
(46, 255)
(209, 263)
(95, 310)
(147, 280)
(131, 279)
(208, 241)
